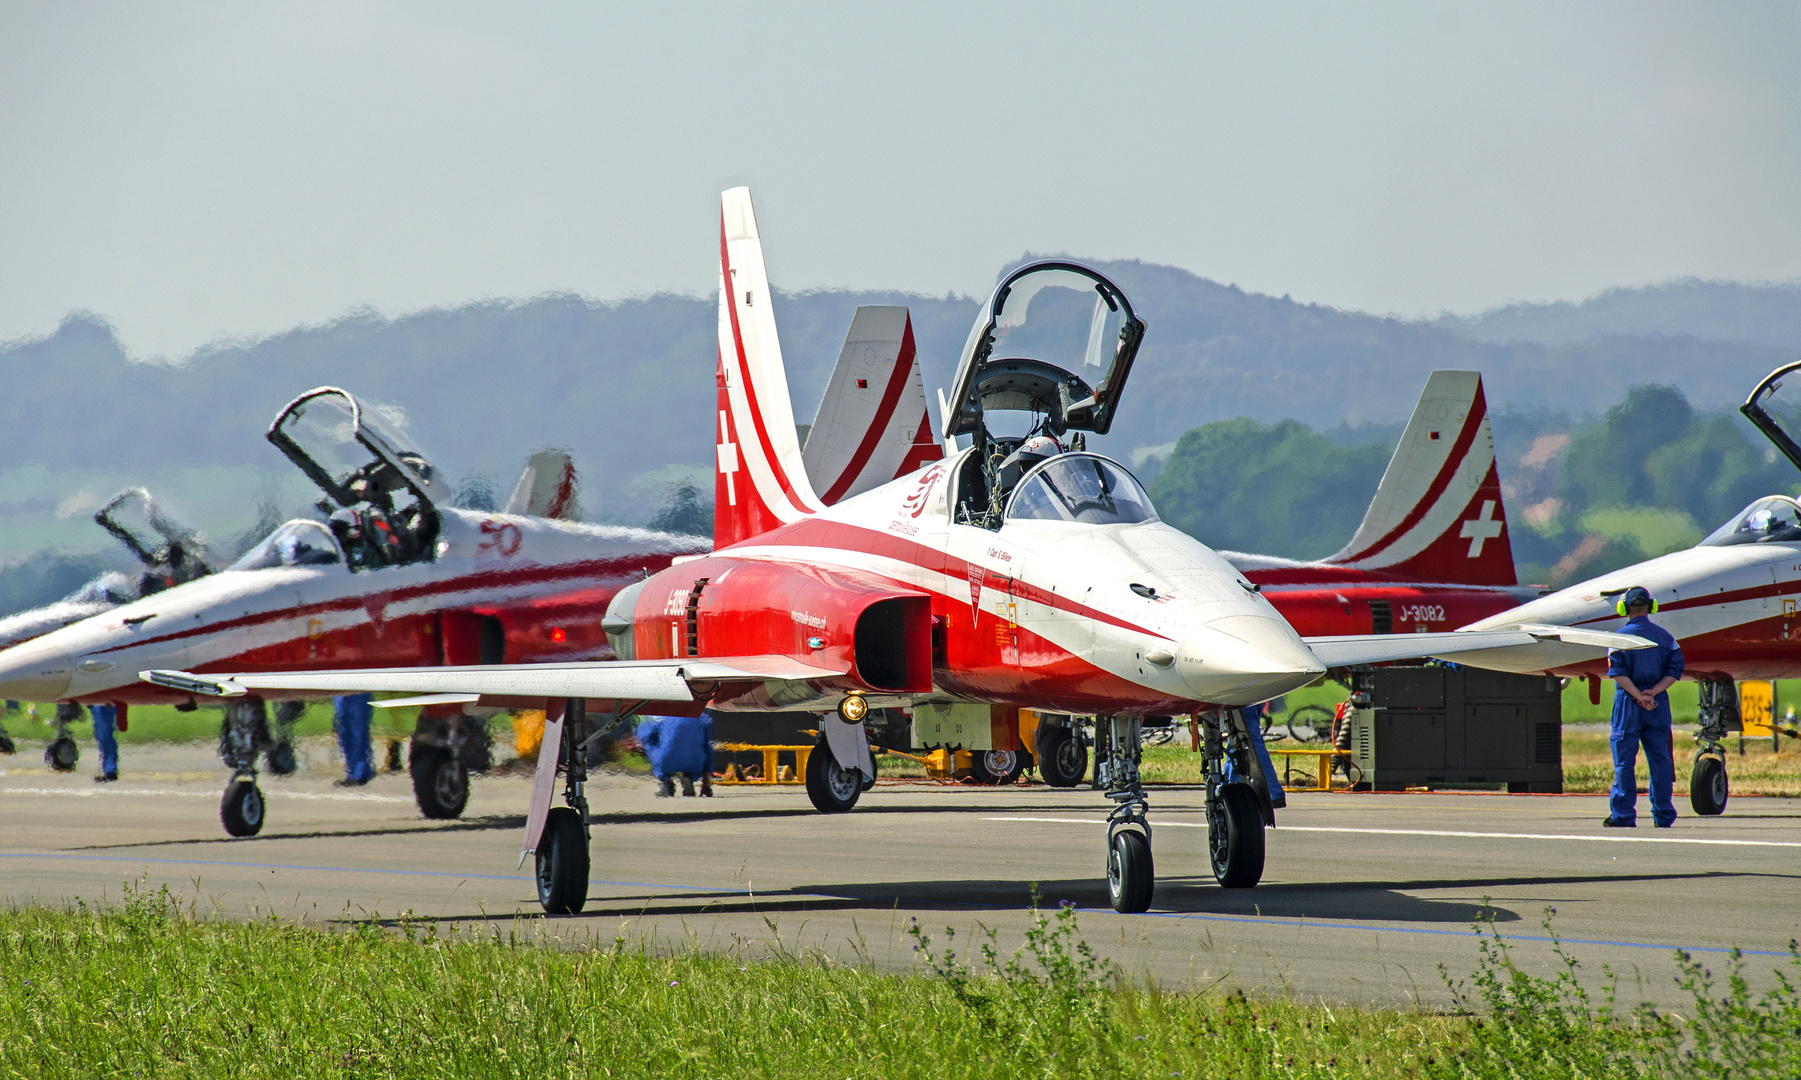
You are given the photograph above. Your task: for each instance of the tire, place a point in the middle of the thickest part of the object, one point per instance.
(1235, 839)
(62, 754)
(241, 811)
(440, 783)
(1130, 876)
(996, 767)
(832, 788)
(6, 744)
(282, 759)
(1708, 787)
(1062, 759)
(562, 863)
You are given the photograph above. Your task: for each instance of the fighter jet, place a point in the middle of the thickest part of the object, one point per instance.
(1024, 571)
(1730, 601)
(395, 576)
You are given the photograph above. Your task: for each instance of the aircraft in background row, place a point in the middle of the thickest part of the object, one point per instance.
(1022, 572)
(393, 577)
(1730, 601)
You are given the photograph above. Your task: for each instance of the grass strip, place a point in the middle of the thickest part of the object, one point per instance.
(148, 989)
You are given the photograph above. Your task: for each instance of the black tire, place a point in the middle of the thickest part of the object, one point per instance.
(995, 767)
(562, 863)
(1131, 879)
(62, 754)
(440, 783)
(1062, 759)
(241, 811)
(1235, 839)
(1708, 788)
(6, 744)
(832, 788)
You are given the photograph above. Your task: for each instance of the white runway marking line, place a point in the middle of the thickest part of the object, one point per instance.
(1448, 832)
(280, 795)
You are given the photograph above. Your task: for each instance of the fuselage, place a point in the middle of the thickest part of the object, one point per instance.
(1320, 599)
(1122, 619)
(498, 588)
(1732, 608)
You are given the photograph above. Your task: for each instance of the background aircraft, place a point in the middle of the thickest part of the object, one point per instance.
(394, 577)
(1730, 600)
(1012, 575)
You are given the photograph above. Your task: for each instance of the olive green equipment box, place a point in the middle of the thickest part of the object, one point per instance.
(1447, 727)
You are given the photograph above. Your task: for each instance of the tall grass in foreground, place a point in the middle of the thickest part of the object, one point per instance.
(147, 989)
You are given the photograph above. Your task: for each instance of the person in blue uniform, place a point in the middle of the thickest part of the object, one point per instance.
(679, 747)
(351, 714)
(1641, 714)
(106, 722)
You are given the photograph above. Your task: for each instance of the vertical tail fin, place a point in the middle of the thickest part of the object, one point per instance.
(872, 425)
(1438, 513)
(761, 482)
(546, 487)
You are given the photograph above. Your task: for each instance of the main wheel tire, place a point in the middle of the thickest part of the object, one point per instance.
(6, 744)
(562, 862)
(1130, 876)
(241, 810)
(831, 787)
(1062, 759)
(282, 759)
(1235, 840)
(996, 766)
(440, 783)
(1708, 787)
(62, 754)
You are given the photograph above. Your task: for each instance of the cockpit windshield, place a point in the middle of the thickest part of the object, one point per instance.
(1774, 520)
(1080, 487)
(298, 543)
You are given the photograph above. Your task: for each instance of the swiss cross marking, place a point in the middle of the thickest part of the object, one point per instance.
(1482, 527)
(728, 460)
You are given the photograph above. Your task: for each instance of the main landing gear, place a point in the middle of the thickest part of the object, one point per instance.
(1708, 788)
(562, 849)
(62, 753)
(1236, 812)
(445, 751)
(831, 787)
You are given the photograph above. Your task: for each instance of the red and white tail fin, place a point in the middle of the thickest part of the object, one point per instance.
(872, 425)
(547, 486)
(1438, 514)
(761, 483)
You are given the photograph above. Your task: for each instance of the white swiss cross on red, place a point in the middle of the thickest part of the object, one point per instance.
(728, 460)
(1483, 526)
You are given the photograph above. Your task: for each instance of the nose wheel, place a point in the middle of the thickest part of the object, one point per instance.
(245, 734)
(1131, 875)
(241, 809)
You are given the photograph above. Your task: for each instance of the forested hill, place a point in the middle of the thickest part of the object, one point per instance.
(628, 387)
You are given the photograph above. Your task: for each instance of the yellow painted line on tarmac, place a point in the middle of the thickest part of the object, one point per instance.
(1623, 837)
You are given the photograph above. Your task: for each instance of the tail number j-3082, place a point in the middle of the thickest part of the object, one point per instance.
(1421, 613)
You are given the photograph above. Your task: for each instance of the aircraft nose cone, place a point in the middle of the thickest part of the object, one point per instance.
(1243, 659)
(30, 673)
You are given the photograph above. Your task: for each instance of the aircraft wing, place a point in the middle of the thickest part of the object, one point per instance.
(637, 680)
(1355, 649)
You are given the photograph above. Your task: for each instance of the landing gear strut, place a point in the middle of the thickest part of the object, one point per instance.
(1131, 876)
(244, 735)
(63, 753)
(1235, 813)
(562, 851)
(1708, 788)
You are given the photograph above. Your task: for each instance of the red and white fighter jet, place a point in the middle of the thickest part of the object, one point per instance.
(1011, 574)
(394, 578)
(1730, 601)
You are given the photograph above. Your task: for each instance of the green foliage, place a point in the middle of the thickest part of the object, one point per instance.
(1280, 489)
(1734, 1035)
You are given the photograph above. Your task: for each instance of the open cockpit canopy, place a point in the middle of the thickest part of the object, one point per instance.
(1772, 520)
(1056, 339)
(385, 488)
(171, 553)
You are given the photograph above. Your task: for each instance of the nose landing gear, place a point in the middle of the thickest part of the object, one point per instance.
(244, 735)
(1708, 787)
(1131, 874)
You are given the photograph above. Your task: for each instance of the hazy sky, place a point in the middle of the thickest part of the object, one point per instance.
(199, 170)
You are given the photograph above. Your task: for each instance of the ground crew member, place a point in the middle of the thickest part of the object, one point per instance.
(1641, 714)
(679, 746)
(106, 722)
(350, 716)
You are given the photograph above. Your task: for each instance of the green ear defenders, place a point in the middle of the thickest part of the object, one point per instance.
(1635, 595)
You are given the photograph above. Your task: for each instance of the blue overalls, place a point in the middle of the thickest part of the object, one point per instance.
(678, 745)
(106, 722)
(351, 715)
(1634, 724)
